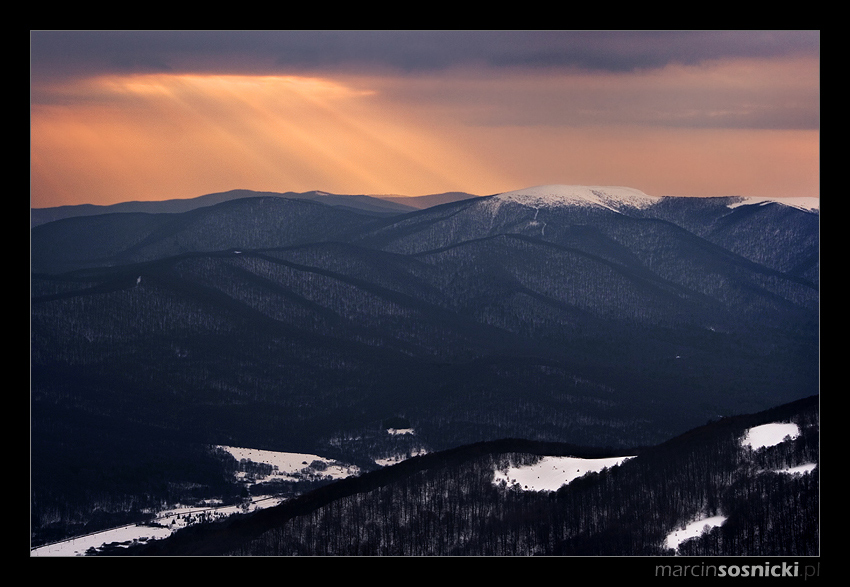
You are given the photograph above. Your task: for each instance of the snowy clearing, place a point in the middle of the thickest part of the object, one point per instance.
(769, 435)
(692, 530)
(550, 473)
(290, 466)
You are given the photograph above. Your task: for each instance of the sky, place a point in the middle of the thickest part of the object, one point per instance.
(121, 116)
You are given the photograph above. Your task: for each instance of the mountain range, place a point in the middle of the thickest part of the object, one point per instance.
(594, 316)
(378, 205)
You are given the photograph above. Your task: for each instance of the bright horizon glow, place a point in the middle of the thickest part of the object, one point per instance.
(734, 127)
(186, 135)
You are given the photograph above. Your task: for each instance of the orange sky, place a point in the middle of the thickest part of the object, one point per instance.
(742, 126)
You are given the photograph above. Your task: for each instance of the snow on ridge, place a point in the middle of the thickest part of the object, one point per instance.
(807, 204)
(617, 198)
(611, 197)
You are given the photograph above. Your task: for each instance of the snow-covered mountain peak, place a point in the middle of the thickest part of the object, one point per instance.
(613, 198)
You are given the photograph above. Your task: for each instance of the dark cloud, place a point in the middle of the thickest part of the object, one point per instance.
(55, 53)
(635, 50)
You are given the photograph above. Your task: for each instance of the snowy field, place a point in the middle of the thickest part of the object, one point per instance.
(769, 435)
(291, 466)
(551, 473)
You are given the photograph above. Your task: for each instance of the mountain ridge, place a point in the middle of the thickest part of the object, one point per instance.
(363, 203)
(381, 204)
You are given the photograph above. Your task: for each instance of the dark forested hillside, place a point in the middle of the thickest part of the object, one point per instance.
(447, 503)
(123, 238)
(293, 325)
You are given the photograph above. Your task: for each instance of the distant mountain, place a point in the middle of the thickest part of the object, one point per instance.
(450, 503)
(589, 315)
(422, 202)
(362, 203)
(131, 237)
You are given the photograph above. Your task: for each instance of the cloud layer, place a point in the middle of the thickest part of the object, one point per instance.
(273, 52)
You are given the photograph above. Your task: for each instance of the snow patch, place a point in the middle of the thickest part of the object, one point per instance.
(803, 469)
(551, 473)
(693, 529)
(287, 465)
(769, 434)
(392, 460)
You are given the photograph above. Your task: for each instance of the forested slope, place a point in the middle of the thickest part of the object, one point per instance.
(447, 504)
